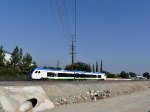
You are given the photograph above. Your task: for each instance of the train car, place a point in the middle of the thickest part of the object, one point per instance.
(61, 75)
(38, 73)
(41, 73)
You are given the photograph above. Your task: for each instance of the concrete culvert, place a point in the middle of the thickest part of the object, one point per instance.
(33, 101)
(28, 105)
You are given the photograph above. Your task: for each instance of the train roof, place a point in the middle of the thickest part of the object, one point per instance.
(40, 69)
(69, 71)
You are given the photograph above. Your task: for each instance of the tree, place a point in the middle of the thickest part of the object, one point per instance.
(80, 66)
(90, 67)
(16, 58)
(97, 66)
(106, 72)
(27, 63)
(93, 68)
(2, 61)
(123, 74)
(18, 64)
(101, 68)
(111, 76)
(131, 74)
(146, 74)
(2, 57)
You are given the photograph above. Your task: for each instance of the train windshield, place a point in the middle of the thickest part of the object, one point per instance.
(30, 73)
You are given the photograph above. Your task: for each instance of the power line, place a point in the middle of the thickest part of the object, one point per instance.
(63, 17)
(67, 20)
(55, 17)
(75, 17)
(65, 23)
(60, 17)
(73, 46)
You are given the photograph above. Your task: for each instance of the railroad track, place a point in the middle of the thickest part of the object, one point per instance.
(53, 82)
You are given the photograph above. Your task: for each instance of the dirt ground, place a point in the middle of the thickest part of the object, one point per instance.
(135, 102)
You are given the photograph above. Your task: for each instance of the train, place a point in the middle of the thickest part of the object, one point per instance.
(43, 73)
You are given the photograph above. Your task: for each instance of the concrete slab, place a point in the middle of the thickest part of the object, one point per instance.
(1, 108)
(23, 98)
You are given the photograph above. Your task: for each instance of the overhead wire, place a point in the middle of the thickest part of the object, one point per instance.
(65, 20)
(74, 23)
(60, 17)
(63, 17)
(55, 18)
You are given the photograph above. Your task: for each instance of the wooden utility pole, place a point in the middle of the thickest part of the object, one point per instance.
(73, 41)
(101, 69)
(73, 51)
(58, 63)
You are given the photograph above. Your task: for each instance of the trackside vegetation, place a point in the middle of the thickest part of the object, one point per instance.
(17, 67)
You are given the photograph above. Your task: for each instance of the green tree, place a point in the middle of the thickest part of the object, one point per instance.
(125, 75)
(2, 61)
(80, 66)
(16, 58)
(97, 66)
(146, 74)
(93, 68)
(27, 64)
(131, 74)
(111, 76)
(90, 68)
(18, 64)
(2, 57)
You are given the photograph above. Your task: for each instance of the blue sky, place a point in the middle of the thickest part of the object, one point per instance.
(115, 31)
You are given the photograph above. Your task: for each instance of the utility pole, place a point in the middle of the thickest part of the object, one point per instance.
(73, 51)
(73, 41)
(58, 63)
(97, 70)
(101, 69)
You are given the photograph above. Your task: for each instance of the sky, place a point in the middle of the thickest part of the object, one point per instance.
(114, 31)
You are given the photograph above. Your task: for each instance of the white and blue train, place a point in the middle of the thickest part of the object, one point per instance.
(42, 73)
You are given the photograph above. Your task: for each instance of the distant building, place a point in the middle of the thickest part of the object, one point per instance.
(7, 55)
(138, 77)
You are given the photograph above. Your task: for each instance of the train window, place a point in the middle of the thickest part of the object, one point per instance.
(80, 75)
(65, 75)
(31, 71)
(50, 74)
(36, 71)
(99, 76)
(90, 76)
(93, 76)
(39, 72)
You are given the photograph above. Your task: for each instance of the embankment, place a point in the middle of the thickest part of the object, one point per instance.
(57, 92)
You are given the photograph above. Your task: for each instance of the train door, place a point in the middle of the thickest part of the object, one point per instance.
(43, 74)
(51, 75)
(55, 75)
(36, 75)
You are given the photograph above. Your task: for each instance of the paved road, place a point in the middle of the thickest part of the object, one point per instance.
(136, 102)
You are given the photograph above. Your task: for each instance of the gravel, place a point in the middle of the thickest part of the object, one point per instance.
(58, 91)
